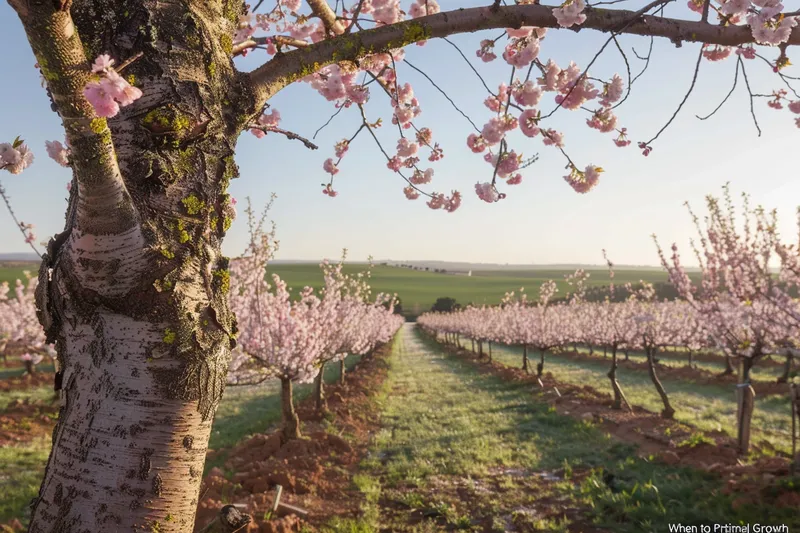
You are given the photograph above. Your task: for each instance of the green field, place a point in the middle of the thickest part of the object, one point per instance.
(418, 290)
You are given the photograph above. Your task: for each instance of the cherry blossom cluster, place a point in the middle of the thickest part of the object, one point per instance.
(290, 336)
(15, 157)
(18, 321)
(112, 91)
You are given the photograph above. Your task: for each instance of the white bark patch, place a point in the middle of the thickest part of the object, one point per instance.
(118, 436)
(110, 265)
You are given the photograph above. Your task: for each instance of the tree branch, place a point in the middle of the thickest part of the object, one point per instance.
(270, 78)
(289, 134)
(328, 17)
(104, 205)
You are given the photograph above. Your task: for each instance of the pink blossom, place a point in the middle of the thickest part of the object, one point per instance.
(292, 5)
(516, 179)
(794, 107)
(603, 120)
(550, 80)
(329, 166)
(486, 51)
(696, 5)
(717, 53)
(423, 7)
(410, 193)
(528, 122)
(420, 177)
(747, 52)
(521, 52)
(395, 164)
(271, 119)
(341, 148)
(732, 7)
(486, 192)
(553, 138)
(528, 94)
(509, 163)
(406, 148)
(102, 64)
(521, 33)
(612, 92)
(15, 160)
(768, 29)
(476, 143)
(571, 13)
(493, 132)
(57, 152)
(102, 101)
(453, 203)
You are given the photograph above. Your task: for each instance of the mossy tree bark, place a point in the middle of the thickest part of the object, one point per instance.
(133, 292)
(746, 397)
(787, 368)
(540, 364)
(342, 372)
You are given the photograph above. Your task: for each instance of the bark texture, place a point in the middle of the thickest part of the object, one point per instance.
(668, 411)
(291, 421)
(319, 390)
(134, 291)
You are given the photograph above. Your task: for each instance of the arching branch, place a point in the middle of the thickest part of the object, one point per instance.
(270, 78)
(104, 205)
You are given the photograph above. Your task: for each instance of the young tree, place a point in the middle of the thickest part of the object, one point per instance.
(136, 279)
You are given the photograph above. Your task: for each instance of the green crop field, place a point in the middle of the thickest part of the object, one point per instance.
(419, 289)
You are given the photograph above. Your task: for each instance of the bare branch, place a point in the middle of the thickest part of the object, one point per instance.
(328, 122)
(93, 158)
(733, 88)
(270, 78)
(287, 133)
(253, 42)
(445, 95)
(750, 92)
(680, 106)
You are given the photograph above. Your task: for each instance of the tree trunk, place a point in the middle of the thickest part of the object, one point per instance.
(490, 351)
(605, 351)
(30, 368)
(746, 403)
(3, 345)
(668, 411)
(794, 397)
(691, 359)
(575, 347)
(472, 342)
(319, 390)
(619, 396)
(133, 292)
(540, 365)
(342, 372)
(787, 369)
(291, 422)
(591, 349)
(480, 348)
(728, 366)
(627, 357)
(525, 358)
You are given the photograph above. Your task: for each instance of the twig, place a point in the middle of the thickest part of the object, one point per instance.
(750, 92)
(735, 79)
(444, 94)
(288, 134)
(691, 88)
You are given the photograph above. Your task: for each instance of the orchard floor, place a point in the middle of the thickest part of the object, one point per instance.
(463, 448)
(423, 439)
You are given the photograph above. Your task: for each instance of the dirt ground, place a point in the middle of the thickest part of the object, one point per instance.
(315, 472)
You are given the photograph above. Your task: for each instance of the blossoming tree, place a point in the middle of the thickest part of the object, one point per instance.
(152, 105)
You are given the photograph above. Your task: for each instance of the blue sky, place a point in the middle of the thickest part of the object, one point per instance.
(541, 221)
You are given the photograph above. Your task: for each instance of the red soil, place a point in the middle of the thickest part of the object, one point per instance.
(23, 421)
(315, 472)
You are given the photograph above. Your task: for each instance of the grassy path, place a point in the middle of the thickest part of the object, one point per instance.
(460, 449)
(706, 406)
